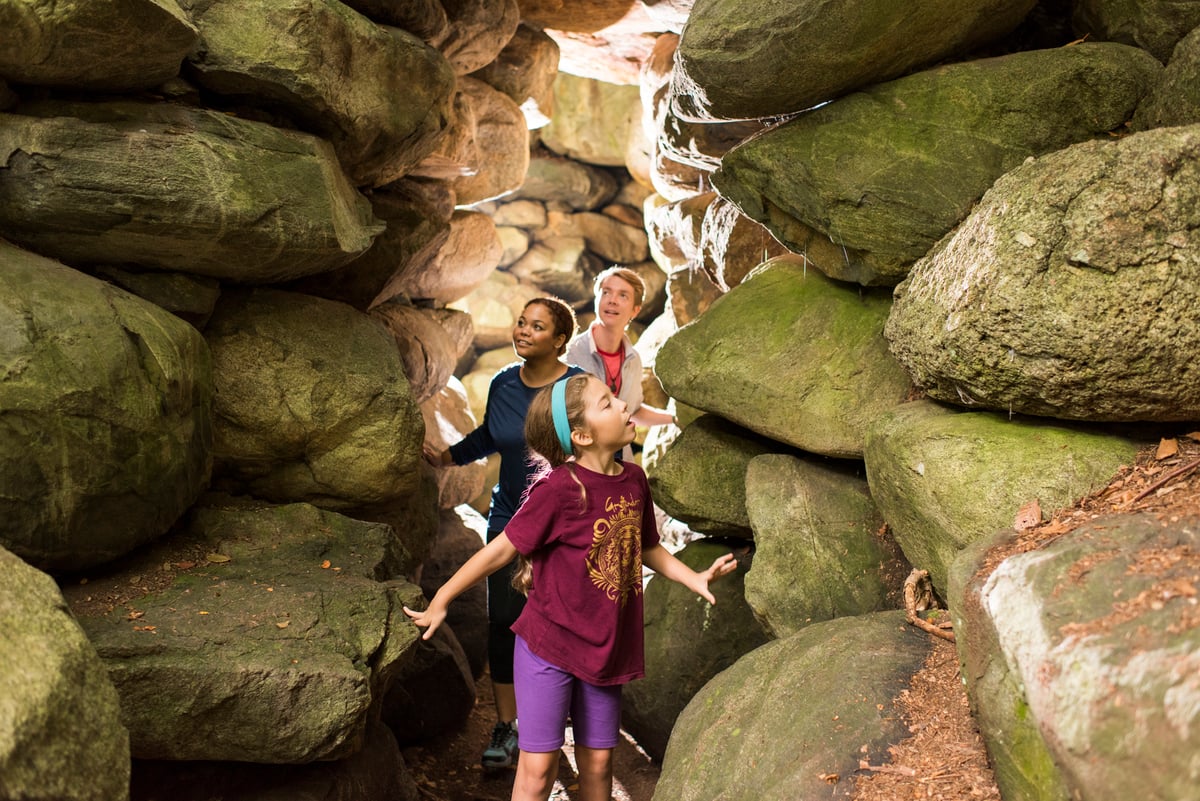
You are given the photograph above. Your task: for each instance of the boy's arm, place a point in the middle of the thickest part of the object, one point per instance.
(493, 556)
(663, 562)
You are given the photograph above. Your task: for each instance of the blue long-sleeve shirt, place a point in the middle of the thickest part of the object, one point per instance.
(503, 431)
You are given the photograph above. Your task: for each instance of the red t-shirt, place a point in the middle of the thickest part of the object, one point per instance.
(584, 611)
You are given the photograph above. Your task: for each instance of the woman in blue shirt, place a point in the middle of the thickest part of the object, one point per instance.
(540, 339)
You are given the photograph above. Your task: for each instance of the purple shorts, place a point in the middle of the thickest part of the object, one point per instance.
(547, 694)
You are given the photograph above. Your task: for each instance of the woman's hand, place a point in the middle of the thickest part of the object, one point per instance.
(434, 456)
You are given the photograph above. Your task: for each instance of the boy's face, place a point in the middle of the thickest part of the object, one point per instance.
(615, 303)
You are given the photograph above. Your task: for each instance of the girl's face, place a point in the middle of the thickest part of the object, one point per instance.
(615, 303)
(606, 417)
(534, 336)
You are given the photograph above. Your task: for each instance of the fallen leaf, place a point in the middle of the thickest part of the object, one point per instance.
(185, 565)
(829, 778)
(144, 628)
(218, 557)
(1194, 436)
(325, 565)
(1167, 448)
(204, 613)
(135, 614)
(282, 625)
(1028, 516)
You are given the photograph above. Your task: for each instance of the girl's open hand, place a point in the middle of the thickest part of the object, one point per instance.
(428, 619)
(722, 566)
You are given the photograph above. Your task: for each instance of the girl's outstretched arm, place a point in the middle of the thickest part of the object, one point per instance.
(493, 556)
(663, 562)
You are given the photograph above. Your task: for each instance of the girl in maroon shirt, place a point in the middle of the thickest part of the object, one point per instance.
(583, 534)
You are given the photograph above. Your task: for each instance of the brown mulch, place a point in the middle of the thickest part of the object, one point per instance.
(945, 757)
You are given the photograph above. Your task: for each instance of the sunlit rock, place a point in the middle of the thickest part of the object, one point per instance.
(792, 355)
(106, 415)
(380, 95)
(821, 550)
(106, 45)
(271, 636)
(740, 59)
(832, 686)
(311, 412)
(449, 418)
(62, 736)
(864, 186)
(944, 478)
(173, 188)
(463, 262)
(592, 120)
(1069, 648)
(1070, 291)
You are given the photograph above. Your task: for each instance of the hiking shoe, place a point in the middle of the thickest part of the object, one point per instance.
(502, 751)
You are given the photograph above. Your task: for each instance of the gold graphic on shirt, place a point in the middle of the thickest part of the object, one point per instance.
(614, 561)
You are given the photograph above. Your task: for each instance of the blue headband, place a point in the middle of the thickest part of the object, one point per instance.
(558, 410)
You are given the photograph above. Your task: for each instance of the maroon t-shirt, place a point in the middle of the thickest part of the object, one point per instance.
(584, 611)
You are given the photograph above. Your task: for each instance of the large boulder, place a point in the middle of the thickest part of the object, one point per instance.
(1021, 761)
(592, 120)
(1098, 630)
(174, 188)
(578, 186)
(821, 547)
(61, 735)
(525, 70)
(466, 258)
(494, 143)
(793, 711)
(1154, 25)
(254, 633)
(319, 413)
(848, 184)
(1070, 291)
(425, 19)
(107, 45)
(792, 355)
(380, 95)
(687, 643)
(1175, 99)
(740, 59)
(701, 478)
(427, 341)
(479, 32)
(944, 478)
(106, 428)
